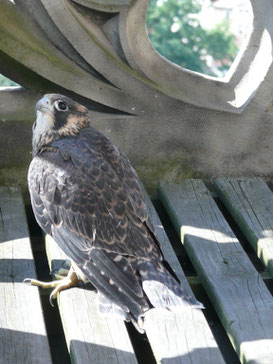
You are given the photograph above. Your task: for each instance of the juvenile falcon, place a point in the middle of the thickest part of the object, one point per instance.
(87, 196)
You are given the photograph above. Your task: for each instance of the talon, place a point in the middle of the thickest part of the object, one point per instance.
(51, 298)
(27, 281)
(59, 285)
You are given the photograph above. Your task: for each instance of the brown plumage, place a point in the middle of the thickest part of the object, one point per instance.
(87, 196)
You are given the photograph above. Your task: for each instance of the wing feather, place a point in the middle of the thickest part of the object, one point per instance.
(120, 270)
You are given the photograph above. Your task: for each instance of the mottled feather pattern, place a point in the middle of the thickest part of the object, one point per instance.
(99, 202)
(87, 196)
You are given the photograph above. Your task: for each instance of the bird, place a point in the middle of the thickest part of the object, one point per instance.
(86, 195)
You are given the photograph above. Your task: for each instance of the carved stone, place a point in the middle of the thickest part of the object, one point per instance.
(172, 122)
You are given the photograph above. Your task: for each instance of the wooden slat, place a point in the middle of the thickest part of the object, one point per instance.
(90, 338)
(22, 331)
(250, 201)
(239, 295)
(183, 337)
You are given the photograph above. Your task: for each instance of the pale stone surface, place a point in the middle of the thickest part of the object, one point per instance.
(171, 122)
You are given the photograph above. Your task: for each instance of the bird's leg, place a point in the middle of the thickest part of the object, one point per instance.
(71, 280)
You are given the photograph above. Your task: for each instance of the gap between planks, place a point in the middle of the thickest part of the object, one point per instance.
(250, 202)
(240, 297)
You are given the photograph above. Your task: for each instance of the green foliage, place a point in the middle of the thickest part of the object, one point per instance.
(4, 81)
(175, 32)
(221, 45)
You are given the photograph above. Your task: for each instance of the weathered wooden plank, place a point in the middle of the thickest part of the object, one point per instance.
(23, 336)
(90, 338)
(250, 201)
(239, 295)
(185, 337)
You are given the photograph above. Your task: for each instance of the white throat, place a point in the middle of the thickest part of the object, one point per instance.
(42, 125)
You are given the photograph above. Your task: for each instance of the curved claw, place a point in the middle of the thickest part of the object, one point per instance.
(51, 298)
(27, 281)
(70, 280)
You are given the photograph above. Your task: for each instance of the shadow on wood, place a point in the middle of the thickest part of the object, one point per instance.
(23, 347)
(98, 354)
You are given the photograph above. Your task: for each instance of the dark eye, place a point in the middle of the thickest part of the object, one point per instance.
(60, 105)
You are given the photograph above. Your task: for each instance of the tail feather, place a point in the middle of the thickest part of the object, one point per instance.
(162, 289)
(114, 283)
(108, 308)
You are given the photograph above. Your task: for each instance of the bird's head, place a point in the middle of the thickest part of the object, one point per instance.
(58, 116)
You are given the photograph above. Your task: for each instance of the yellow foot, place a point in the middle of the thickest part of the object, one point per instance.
(59, 285)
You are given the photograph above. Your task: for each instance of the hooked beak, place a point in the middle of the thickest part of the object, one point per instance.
(43, 104)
